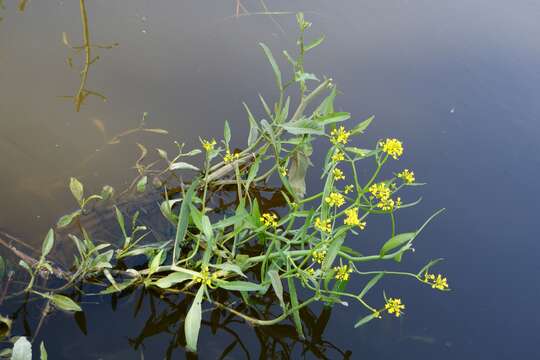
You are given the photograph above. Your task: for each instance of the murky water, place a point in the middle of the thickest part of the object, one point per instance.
(457, 81)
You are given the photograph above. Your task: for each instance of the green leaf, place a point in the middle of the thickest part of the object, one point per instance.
(327, 105)
(365, 320)
(333, 118)
(173, 279)
(43, 351)
(183, 219)
(107, 192)
(120, 220)
(207, 228)
(239, 285)
(67, 219)
(77, 190)
(314, 44)
(253, 127)
(275, 67)
(358, 129)
(22, 349)
(229, 268)
(333, 250)
(141, 184)
(180, 165)
(192, 324)
(303, 127)
(397, 241)
(374, 280)
(277, 286)
(156, 261)
(227, 133)
(363, 153)
(64, 303)
(47, 243)
(294, 302)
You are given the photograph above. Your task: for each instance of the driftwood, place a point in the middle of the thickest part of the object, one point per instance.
(7, 240)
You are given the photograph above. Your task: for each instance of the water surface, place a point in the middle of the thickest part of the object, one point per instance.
(457, 81)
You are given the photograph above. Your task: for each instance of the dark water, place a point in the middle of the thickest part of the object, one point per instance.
(457, 81)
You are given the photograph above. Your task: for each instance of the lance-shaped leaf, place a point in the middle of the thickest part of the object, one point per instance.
(396, 241)
(303, 127)
(47, 243)
(77, 190)
(275, 67)
(192, 324)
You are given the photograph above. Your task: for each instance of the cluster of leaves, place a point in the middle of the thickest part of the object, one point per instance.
(249, 251)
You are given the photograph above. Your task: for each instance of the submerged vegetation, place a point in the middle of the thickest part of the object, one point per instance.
(307, 251)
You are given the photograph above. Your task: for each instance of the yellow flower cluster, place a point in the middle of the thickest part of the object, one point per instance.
(269, 219)
(335, 199)
(340, 136)
(338, 174)
(323, 225)
(407, 176)
(229, 158)
(348, 188)
(342, 272)
(205, 277)
(394, 306)
(392, 147)
(318, 256)
(352, 218)
(283, 170)
(382, 192)
(338, 156)
(438, 282)
(208, 145)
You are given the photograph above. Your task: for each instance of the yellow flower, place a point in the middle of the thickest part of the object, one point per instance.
(335, 199)
(229, 158)
(407, 176)
(438, 282)
(394, 306)
(323, 225)
(398, 202)
(352, 218)
(348, 188)
(208, 145)
(310, 271)
(338, 174)
(392, 147)
(338, 156)
(380, 191)
(269, 219)
(205, 277)
(318, 256)
(386, 204)
(343, 272)
(340, 136)
(283, 171)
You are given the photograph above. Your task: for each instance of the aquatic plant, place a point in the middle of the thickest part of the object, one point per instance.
(304, 252)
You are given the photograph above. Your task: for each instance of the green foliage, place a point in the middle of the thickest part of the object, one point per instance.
(311, 243)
